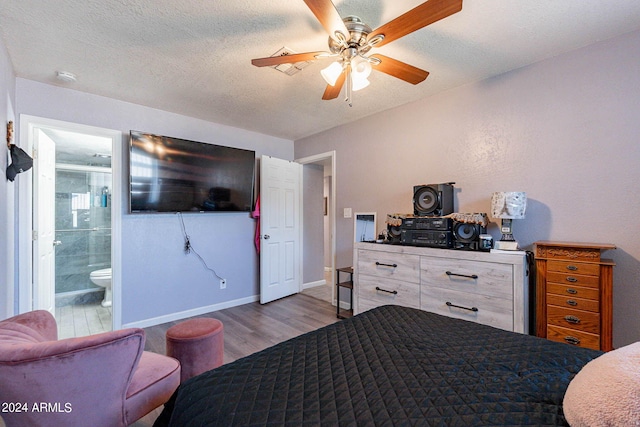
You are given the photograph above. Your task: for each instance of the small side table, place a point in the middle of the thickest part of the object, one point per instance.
(348, 285)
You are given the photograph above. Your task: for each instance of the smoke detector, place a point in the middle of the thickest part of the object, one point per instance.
(66, 76)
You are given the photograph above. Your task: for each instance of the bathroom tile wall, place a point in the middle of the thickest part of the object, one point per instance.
(83, 226)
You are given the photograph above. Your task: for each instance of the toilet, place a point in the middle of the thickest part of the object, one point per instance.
(103, 278)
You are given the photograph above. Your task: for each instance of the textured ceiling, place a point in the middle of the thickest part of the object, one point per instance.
(193, 57)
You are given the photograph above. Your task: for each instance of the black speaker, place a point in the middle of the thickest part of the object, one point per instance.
(394, 234)
(433, 199)
(467, 236)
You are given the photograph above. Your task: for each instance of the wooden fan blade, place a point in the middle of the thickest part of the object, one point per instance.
(328, 15)
(332, 92)
(285, 59)
(418, 17)
(399, 69)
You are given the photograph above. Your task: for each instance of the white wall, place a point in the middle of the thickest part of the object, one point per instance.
(7, 202)
(565, 130)
(158, 279)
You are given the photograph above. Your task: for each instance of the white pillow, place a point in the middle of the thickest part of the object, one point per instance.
(606, 391)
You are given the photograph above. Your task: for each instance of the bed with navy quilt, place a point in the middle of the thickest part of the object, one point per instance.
(388, 366)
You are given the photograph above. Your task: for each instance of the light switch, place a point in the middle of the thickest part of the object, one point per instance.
(347, 212)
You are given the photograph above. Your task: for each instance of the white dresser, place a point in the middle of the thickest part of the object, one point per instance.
(488, 288)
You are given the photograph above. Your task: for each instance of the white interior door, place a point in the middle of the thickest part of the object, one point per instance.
(44, 221)
(280, 214)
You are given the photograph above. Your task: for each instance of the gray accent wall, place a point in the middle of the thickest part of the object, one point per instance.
(565, 130)
(313, 223)
(327, 222)
(158, 278)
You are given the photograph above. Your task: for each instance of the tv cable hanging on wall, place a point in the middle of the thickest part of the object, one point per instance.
(188, 248)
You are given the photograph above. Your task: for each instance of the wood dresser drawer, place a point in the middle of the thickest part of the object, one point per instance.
(570, 267)
(374, 292)
(573, 291)
(483, 278)
(579, 320)
(384, 265)
(572, 302)
(475, 307)
(573, 337)
(573, 279)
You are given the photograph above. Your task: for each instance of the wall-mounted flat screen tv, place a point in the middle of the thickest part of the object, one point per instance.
(177, 175)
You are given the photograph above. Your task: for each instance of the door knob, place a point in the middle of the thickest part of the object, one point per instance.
(57, 243)
(266, 237)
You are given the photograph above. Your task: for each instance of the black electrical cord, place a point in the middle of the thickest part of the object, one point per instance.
(531, 276)
(188, 248)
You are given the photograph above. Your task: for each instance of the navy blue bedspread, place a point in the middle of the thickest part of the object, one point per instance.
(388, 366)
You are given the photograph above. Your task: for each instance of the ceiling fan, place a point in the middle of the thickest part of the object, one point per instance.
(350, 41)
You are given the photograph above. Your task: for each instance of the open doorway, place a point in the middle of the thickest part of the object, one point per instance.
(74, 204)
(319, 226)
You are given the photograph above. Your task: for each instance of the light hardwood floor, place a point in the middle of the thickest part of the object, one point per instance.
(86, 319)
(322, 292)
(253, 327)
(82, 319)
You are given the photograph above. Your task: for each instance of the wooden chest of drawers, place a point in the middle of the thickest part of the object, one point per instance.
(574, 294)
(478, 286)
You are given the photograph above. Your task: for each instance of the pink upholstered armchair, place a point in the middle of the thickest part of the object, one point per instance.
(99, 380)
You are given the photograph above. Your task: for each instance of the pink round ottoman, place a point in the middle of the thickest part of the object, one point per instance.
(198, 344)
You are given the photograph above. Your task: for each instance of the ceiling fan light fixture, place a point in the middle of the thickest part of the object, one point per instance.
(331, 73)
(358, 82)
(351, 39)
(360, 71)
(361, 67)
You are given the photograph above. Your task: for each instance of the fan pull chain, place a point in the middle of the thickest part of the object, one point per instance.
(349, 85)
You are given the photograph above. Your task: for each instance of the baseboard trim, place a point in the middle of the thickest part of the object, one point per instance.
(313, 284)
(344, 305)
(190, 313)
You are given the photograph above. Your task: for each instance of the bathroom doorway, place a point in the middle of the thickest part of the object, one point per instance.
(74, 193)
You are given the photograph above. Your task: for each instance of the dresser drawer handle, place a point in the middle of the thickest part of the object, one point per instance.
(572, 319)
(470, 276)
(571, 291)
(384, 290)
(572, 268)
(386, 265)
(571, 279)
(572, 302)
(459, 306)
(572, 340)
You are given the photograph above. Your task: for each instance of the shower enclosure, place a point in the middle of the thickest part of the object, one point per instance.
(83, 231)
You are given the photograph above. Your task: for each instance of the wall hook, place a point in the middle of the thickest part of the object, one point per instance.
(9, 133)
